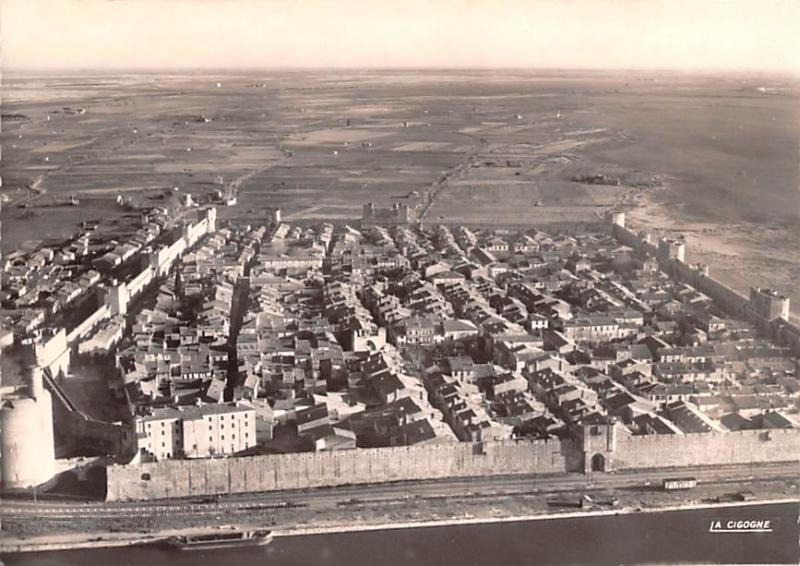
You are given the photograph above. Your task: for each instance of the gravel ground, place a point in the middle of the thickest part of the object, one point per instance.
(348, 514)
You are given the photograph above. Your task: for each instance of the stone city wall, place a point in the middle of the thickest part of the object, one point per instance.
(565, 227)
(180, 478)
(138, 283)
(731, 301)
(88, 324)
(184, 478)
(629, 238)
(161, 260)
(103, 437)
(196, 231)
(707, 449)
(52, 353)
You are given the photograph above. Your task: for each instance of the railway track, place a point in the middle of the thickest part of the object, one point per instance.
(382, 494)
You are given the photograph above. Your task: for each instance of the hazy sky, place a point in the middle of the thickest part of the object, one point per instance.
(718, 34)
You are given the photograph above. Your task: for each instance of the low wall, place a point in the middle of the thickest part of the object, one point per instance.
(178, 478)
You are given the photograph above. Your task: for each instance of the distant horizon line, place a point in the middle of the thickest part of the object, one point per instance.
(399, 69)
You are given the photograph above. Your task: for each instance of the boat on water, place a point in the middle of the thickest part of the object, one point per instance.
(212, 540)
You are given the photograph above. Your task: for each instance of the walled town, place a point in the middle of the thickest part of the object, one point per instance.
(296, 355)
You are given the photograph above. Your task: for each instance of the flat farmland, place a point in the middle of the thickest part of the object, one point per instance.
(299, 140)
(490, 147)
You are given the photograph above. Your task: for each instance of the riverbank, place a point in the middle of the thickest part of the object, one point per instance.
(680, 536)
(409, 514)
(519, 518)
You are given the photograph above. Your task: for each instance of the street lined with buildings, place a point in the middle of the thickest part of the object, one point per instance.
(279, 356)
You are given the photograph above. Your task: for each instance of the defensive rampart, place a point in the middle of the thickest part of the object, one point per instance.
(605, 448)
(138, 283)
(178, 478)
(88, 324)
(102, 437)
(729, 300)
(162, 260)
(620, 450)
(715, 448)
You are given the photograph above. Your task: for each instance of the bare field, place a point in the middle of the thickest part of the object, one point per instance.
(493, 148)
(424, 146)
(330, 136)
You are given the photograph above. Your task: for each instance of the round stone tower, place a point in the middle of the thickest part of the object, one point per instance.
(28, 452)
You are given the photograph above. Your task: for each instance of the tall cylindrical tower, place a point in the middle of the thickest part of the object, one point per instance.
(27, 441)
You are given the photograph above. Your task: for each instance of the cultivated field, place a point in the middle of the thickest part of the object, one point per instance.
(514, 147)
